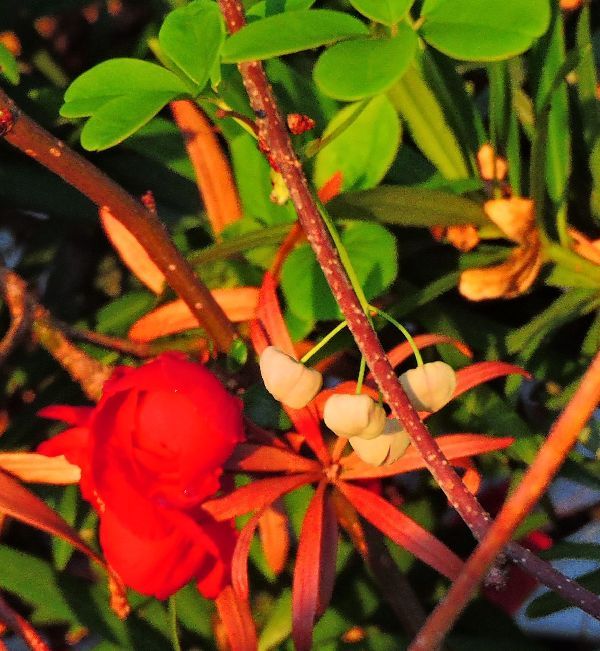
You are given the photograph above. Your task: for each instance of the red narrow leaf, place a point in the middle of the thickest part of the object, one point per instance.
(403, 351)
(265, 458)
(239, 560)
(453, 446)
(273, 528)
(306, 420)
(237, 621)
(18, 503)
(402, 530)
(331, 188)
(472, 477)
(314, 572)
(481, 372)
(238, 303)
(292, 238)
(256, 495)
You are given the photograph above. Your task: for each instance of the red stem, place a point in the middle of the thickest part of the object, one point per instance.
(272, 131)
(561, 439)
(25, 134)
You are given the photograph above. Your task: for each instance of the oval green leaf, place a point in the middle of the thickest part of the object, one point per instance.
(290, 32)
(484, 30)
(8, 65)
(372, 250)
(120, 117)
(375, 64)
(387, 12)
(117, 77)
(364, 151)
(192, 37)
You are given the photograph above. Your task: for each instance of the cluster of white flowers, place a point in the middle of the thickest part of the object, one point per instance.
(375, 438)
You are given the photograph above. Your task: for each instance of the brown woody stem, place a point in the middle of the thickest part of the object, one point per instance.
(561, 439)
(273, 132)
(25, 134)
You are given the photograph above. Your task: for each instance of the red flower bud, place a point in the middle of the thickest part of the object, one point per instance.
(150, 453)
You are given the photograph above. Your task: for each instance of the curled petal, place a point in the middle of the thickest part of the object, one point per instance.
(68, 414)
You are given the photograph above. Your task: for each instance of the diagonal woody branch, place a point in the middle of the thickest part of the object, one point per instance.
(561, 439)
(25, 134)
(272, 131)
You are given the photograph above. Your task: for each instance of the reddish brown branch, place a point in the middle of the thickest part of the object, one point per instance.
(561, 439)
(22, 627)
(25, 134)
(272, 131)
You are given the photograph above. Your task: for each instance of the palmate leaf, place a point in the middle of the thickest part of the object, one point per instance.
(402, 530)
(314, 572)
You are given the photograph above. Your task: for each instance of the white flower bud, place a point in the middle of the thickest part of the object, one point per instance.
(354, 415)
(386, 448)
(429, 387)
(287, 380)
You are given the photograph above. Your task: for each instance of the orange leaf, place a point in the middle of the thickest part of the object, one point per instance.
(274, 536)
(132, 252)
(238, 303)
(236, 618)
(264, 458)
(38, 468)
(314, 573)
(453, 446)
(17, 502)
(331, 188)
(404, 531)
(213, 174)
(258, 494)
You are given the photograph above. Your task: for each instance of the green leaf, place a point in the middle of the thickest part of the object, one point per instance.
(269, 7)
(289, 32)
(117, 317)
(387, 12)
(418, 105)
(278, 626)
(192, 37)
(550, 602)
(120, 95)
(364, 151)
(372, 251)
(484, 30)
(405, 206)
(121, 117)
(375, 64)
(8, 65)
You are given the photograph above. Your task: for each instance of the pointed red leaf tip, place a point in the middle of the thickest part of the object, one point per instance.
(236, 617)
(331, 188)
(453, 447)
(314, 572)
(402, 530)
(273, 528)
(480, 372)
(239, 560)
(257, 495)
(264, 458)
(268, 313)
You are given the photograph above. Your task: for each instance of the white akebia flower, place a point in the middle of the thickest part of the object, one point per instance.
(384, 449)
(350, 415)
(287, 380)
(429, 387)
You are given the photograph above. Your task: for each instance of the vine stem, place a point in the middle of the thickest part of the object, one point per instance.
(272, 131)
(561, 439)
(25, 134)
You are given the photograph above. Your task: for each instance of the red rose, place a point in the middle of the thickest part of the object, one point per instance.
(150, 453)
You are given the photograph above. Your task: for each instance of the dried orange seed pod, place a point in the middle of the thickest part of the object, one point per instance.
(287, 380)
